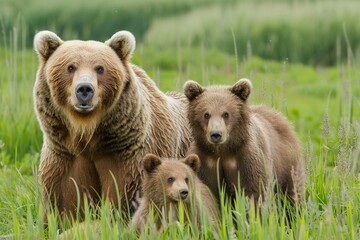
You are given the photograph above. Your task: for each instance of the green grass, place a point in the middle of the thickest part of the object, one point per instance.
(19, 131)
(322, 103)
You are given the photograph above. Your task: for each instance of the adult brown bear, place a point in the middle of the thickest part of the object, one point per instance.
(99, 115)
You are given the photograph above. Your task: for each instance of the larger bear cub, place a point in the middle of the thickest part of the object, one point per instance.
(246, 144)
(99, 115)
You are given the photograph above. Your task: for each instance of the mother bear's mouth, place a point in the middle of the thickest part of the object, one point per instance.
(84, 107)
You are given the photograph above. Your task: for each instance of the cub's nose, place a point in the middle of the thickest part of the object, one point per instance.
(215, 136)
(84, 92)
(184, 193)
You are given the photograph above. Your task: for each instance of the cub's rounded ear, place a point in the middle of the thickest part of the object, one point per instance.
(123, 43)
(193, 161)
(192, 89)
(151, 162)
(45, 44)
(242, 88)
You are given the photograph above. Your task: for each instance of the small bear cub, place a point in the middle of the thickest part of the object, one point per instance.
(169, 183)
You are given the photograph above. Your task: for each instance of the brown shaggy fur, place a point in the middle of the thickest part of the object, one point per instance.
(101, 145)
(164, 183)
(253, 144)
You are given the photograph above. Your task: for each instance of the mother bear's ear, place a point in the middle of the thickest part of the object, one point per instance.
(123, 43)
(45, 44)
(242, 88)
(192, 89)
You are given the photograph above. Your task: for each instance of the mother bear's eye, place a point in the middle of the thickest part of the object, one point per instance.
(225, 115)
(170, 179)
(99, 69)
(71, 68)
(207, 115)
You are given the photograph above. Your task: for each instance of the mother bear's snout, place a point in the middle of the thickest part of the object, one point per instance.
(84, 92)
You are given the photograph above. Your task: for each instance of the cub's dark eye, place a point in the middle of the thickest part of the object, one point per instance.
(187, 180)
(99, 70)
(71, 68)
(225, 115)
(207, 115)
(170, 179)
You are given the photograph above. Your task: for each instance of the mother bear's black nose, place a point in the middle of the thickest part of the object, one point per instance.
(84, 92)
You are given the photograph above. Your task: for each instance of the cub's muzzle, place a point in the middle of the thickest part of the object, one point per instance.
(216, 136)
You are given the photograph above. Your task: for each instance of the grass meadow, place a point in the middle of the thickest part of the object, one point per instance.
(321, 101)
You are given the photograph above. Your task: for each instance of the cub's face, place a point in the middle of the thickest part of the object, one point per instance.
(84, 77)
(174, 178)
(215, 112)
(175, 182)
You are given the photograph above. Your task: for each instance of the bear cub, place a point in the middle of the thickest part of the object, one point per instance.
(250, 145)
(167, 183)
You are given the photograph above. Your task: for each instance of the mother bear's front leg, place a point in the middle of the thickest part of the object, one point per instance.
(67, 179)
(120, 181)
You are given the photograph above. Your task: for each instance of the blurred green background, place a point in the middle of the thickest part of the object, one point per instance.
(317, 32)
